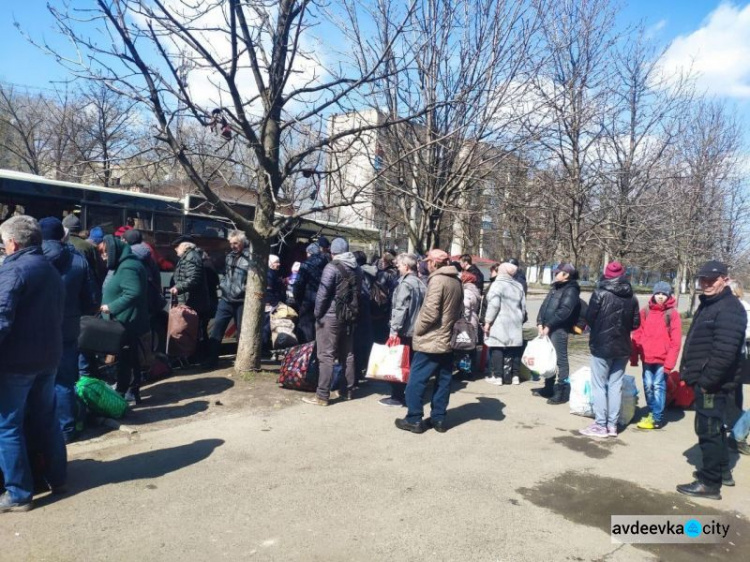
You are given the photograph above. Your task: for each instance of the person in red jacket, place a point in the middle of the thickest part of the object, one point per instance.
(657, 342)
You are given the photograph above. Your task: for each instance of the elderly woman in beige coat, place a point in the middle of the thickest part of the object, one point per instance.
(503, 328)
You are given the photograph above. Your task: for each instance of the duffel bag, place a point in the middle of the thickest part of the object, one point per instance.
(299, 370)
(182, 331)
(100, 398)
(106, 337)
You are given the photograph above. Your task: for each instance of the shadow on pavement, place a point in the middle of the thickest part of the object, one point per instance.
(143, 416)
(178, 390)
(484, 408)
(87, 474)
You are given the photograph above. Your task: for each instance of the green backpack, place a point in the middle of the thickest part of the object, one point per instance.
(100, 398)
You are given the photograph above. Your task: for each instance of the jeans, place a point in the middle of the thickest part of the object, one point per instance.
(606, 388)
(655, 389)
(33, 395)
(334, 341)
(710, 410)
(423, 367)
(741, 429)
(225, 312)
(65, 389)
(559, 339)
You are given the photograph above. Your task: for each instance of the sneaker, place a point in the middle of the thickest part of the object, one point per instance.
(8, 505)
(420, 427)
(132, 397)
(594, 430)
(611, 431)
(391, 402)
(492, 380)
(516, 380)
(335, 395)
(315, 400)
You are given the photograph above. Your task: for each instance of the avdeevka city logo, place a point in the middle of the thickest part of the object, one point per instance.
(693, 528)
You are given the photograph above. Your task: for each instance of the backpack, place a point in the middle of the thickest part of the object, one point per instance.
(579, 326)
(667, 317)
(347, 295)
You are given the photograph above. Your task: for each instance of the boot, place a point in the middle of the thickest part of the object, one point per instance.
(558, 397)
(547, 391)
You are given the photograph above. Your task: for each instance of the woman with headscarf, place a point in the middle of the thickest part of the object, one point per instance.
(503, 326)
(125, 299)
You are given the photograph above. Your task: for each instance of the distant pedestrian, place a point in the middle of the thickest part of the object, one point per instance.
(657, 343)
(472, 301)
(336, 311)
(442, 308)
(407, 302)
(612, 315)
(466, 263)
(503, 326)
(709, 364)
(306, 289)
(557, 316)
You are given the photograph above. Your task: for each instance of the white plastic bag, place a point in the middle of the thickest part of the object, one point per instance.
(580, 393)
(540, 357)
(629, 400)
(389, 363)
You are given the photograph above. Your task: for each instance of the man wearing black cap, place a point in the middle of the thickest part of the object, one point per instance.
(709, 365)
(73, 228)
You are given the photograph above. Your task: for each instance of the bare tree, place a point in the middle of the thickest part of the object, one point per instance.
(258, 65)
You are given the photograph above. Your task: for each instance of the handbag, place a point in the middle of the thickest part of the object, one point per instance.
(464, 336)
(100, 398)
(389, 363)
(105, 337)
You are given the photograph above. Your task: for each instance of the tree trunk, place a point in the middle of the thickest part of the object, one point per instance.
(249, 344)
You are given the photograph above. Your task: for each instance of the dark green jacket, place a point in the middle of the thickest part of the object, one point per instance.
(190, 280)
(125, 292)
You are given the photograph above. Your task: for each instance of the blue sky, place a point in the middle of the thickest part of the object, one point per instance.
(713, 35)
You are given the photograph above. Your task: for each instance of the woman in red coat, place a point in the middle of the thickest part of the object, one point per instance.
(657, 342)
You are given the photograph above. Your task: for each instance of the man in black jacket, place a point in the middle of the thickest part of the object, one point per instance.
(709, 364)
(612, 314)
(558, 314)
(306, 289)
(467, 265)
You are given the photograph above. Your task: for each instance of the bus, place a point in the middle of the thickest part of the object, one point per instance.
(160, 218)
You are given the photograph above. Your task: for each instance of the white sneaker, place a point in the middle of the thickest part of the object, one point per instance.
(490, 380)
(498, 381)
(516, 380)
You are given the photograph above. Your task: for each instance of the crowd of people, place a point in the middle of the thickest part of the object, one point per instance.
(52, 277)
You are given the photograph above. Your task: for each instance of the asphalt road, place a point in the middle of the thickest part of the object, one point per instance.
(238, 479)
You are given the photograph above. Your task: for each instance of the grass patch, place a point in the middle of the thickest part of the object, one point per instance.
(255, 376)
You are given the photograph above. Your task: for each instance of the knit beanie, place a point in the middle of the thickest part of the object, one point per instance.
(313, 249)
(663, 287)
(339, 246)
(52, 229)
(96, 235)
(132, 237)
(72, 223)
(613, 270)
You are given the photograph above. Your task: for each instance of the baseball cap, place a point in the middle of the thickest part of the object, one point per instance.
(713, 268)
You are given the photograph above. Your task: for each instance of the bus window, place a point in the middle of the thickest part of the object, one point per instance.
(11, 205)
(206, 228)
(108, 218)
(167, 223)
(140, 220)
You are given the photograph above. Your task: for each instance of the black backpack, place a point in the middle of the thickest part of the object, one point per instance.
(347, 295)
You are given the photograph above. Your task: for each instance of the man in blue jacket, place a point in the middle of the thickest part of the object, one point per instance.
(31, 316)
(80, 298)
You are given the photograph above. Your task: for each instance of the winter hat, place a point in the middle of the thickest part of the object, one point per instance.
(508, 269)
(438, 255)
(96, 235)
(613, 270)
(323, 243)
(566, 268)
(663, 287)
(52, 229)
(133, 237)
(313, 249)
(272, 259)
(72, 223)
(339, 246)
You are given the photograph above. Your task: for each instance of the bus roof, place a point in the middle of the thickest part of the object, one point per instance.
(23, 176)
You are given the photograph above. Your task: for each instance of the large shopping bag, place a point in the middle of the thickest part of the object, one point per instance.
(389, 363)
(540, 357)
(100, 398)
(580, 393)
(629, 403)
